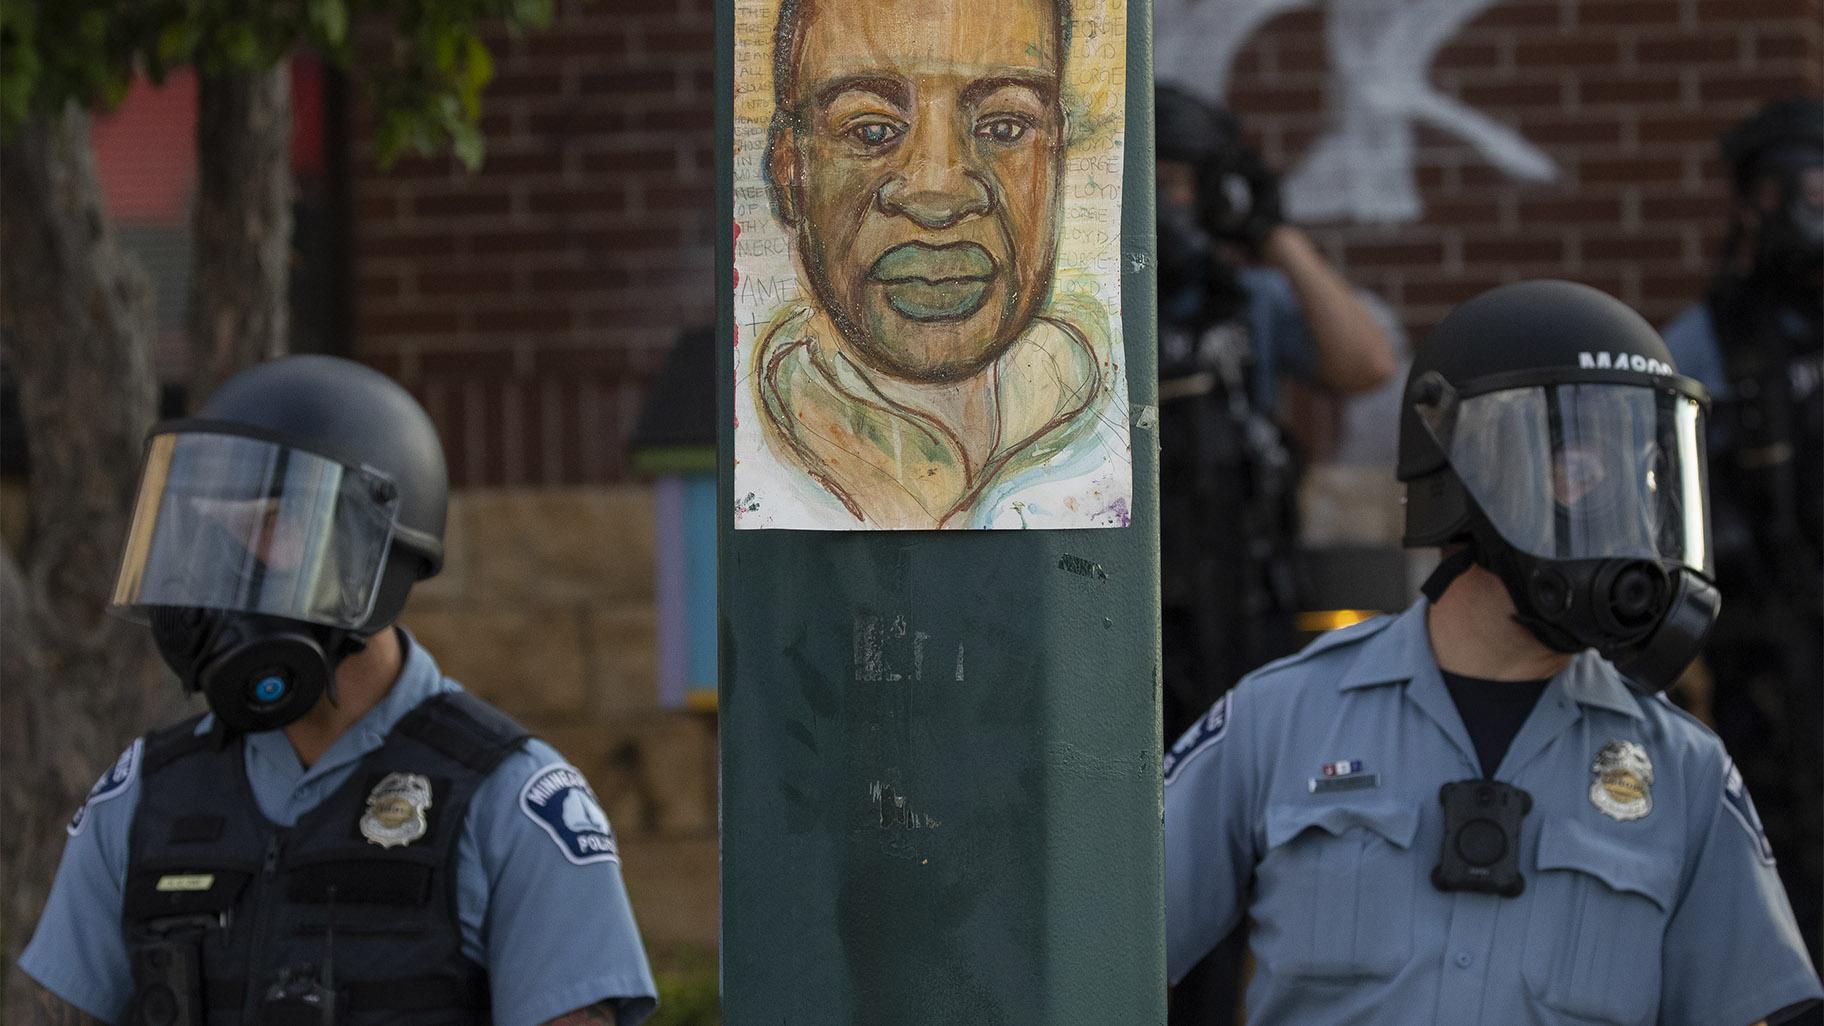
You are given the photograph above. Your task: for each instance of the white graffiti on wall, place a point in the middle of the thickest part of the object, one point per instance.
(1362, 167)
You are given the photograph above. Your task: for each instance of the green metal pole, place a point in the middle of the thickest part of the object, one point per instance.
(940, 750)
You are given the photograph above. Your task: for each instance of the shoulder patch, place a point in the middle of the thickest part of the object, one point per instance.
(1360, 631)
(1208, 731)
(111, 784)
(1736, 800)
(558, 799)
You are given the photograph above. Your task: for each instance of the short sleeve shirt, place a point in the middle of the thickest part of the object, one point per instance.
(1276, 325)
(1691, 339)
(549, 920)
(1307, 801)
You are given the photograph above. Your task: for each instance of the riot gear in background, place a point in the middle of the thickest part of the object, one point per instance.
(1758, 333)
(1245, 300)
(1545, 426)
(1227, 478)
(1228, 520)
(278, 529)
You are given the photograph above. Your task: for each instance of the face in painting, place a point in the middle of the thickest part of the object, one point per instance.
(919, 160)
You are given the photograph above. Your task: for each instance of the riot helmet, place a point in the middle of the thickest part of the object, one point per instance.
(278, 529)
(1776, 164)
(1232, 203)
(1237, 194)
(1545, 425)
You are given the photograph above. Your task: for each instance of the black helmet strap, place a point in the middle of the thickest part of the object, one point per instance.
(1448, 570)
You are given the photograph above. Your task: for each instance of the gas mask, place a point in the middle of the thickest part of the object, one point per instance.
(1197, 286)
(1789, 238)
(1187, 260)
(256, 672)
(1236, 203)
(1588, 500)
(256, 565)
(1187, 253)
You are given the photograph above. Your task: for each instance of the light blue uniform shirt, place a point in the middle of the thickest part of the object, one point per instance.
(1276, 326)
(554, 935)
(1691, 339)
(1307, 800)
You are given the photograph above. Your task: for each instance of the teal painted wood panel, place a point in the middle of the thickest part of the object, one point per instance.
(940, 751)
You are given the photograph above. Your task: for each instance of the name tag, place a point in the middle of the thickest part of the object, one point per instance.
(190, 882)
(1352, 782)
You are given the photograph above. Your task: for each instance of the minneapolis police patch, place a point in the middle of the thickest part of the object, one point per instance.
(111, 784)
(559, 799)
(1208, 731)
(1735, 797)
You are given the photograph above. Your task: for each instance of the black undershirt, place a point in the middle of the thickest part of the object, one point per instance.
(1493, 710)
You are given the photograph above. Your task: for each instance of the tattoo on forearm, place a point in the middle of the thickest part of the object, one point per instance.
(51, 1010)
(601, 1014)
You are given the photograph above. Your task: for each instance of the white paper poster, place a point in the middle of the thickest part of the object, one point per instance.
(928, 265)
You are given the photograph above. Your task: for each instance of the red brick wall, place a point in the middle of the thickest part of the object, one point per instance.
(1627, 97)
(530, 304)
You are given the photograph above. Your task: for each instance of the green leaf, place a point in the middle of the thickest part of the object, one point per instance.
(386, 141)
(94, 26)
(445, 51)
(468, 145)
(331, 19)
(20, 68)
(113, 90)
(531, 13)
(241, 44)
(477, 71)
(427, 92)
(481, 64)
(17, 83)
(176, 43)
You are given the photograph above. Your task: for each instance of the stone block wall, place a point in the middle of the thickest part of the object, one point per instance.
(546, 608)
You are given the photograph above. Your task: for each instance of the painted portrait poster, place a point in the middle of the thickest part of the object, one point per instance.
(927, 264)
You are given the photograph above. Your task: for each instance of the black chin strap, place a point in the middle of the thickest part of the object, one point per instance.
(1449, 569)
(347, 643)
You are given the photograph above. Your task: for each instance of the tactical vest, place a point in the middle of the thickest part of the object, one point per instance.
(232, 920)
(1227, 520)
(1767, 454)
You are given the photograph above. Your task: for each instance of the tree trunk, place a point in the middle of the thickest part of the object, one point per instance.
(76, 328)
(239, 286)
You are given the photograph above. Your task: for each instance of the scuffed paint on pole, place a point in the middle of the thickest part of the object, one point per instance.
(940, 750)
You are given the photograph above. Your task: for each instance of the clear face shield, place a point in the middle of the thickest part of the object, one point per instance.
(236, 523)
(1583, 471)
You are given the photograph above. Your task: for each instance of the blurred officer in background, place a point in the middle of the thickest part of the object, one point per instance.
(1756, 341)
(347, 836)
(1244, 299)
(1479, 811)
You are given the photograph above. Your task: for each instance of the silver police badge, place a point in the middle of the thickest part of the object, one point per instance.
(395, 810)
(1623, 789)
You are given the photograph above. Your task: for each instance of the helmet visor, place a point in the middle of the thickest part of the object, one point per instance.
(1583, 471)
(228, 522)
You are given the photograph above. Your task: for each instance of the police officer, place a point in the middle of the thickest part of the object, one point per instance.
(347, 836)
(1479, 811)
(1757, 341)
(1244, 299)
